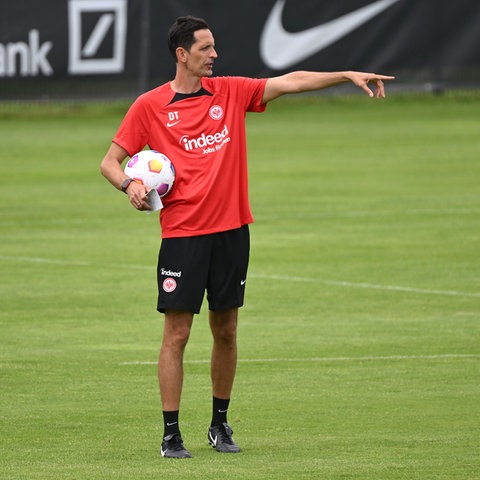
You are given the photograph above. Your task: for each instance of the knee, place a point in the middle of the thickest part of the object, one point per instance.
(178, 337)
(226, 335)
(176, 332)
(225, 331)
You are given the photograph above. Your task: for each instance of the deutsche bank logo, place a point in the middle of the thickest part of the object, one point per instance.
(97, 36)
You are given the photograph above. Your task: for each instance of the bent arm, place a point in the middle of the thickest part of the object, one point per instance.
(111, 166)
(301, 81)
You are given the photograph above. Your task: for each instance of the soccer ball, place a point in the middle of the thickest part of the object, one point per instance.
(153, 169)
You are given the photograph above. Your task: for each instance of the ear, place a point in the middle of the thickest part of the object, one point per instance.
(181, 54)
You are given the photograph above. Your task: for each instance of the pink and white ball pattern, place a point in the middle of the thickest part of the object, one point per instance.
(153, 169)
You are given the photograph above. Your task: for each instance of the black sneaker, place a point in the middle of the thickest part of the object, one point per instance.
(172, 447)
(220, 438)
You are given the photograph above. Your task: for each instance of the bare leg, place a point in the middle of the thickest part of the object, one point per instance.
(224, 353)
(224, 364)
(170, 364)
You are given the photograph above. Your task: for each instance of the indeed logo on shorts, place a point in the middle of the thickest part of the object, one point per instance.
(169, 273)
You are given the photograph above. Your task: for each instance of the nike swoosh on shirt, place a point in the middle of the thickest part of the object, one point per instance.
(280, 49)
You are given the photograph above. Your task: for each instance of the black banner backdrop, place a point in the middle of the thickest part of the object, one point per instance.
(105, 48)
(72, 48)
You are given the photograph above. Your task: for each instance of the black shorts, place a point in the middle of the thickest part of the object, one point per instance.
(215, 263)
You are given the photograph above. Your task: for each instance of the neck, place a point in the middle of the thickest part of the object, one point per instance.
(182, 84)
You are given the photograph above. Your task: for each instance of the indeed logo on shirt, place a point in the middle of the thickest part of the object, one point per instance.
(209, 143)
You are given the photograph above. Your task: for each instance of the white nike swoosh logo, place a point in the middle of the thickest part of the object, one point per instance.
(214, 440)
(173, 123)
(280, 49)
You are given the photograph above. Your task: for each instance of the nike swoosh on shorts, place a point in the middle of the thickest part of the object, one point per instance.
(280, 49)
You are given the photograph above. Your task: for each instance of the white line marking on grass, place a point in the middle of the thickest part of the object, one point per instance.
(51, 261)
(287, 278)
(81, 263)
(339, 283)
(330, 359)
(367, 214)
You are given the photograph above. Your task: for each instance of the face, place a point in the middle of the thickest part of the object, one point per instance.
(199, 61)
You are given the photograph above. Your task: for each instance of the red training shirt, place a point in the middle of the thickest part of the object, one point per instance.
(204, 136)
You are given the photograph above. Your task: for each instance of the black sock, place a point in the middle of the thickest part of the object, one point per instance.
(220, 409)
(170, 423)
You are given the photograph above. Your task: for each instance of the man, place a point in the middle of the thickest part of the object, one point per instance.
(199, 123)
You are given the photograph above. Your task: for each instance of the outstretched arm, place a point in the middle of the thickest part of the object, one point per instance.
(296, 82)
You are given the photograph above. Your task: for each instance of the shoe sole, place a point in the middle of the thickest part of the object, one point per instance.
(175, 456)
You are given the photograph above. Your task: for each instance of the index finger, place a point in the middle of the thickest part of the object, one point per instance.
(383, 77)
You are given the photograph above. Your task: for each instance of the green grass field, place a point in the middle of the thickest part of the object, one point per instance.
(360, 339)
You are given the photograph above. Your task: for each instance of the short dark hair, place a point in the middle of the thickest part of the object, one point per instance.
(181, 33)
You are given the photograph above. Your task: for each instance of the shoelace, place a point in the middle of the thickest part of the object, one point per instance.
(175, 443)
(225, 434)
